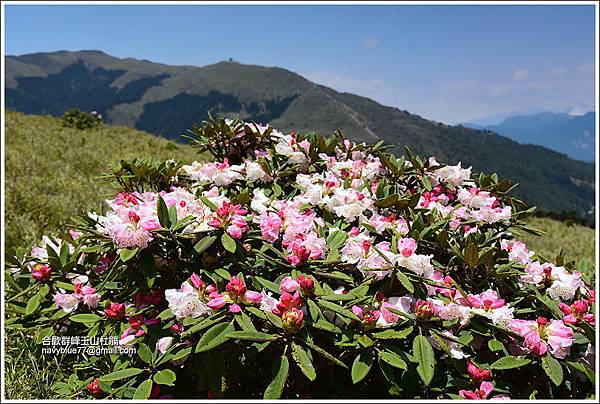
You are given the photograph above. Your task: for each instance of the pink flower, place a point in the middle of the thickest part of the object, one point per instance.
(407, 246)
(115, 310)
(270, 226)
(66, 301)
(236, 288)
(306, 284)
(484, 391)
(235, 308)
(287, 302)
(289, 285)
(517, 251)
(486, 300)
(476, 374)
(231, 218)
(577, 312)
(304, 247)
(235, 232)
(540, 334)
(358, 311)
(41, 272)
(423, 310)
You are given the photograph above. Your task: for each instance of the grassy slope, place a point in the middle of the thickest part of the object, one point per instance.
(577, 242)
(51, 171)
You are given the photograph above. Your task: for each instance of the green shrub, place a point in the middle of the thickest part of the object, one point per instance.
(301, 266)
(74, 118)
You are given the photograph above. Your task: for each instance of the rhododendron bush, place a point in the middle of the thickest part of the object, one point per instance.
(299, 266)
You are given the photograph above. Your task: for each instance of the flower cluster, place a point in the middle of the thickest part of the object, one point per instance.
(323, 252)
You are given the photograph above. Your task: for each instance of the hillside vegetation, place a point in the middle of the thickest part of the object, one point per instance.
(51, 174)
(165, 100)
(51, 171)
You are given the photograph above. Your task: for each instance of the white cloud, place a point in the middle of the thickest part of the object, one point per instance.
(587, 67)
(520, 75)
(557, 71)
(372, 43)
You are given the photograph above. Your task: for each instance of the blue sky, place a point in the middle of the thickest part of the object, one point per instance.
(447, 63)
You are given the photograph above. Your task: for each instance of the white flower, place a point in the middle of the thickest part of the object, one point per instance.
(163, 344)
(185, 303)
(417, 263)
(268, 302)
(453, 175)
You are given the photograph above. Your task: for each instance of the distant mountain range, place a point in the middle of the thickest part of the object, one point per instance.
(564, 133)
(166, 100)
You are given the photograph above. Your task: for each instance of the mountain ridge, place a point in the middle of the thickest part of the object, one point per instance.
(165, 100)
(570, 134)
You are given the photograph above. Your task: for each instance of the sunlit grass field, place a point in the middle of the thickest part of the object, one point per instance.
(51, 174)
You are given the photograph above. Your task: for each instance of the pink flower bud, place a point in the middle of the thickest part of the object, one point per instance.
(196, 281)
(216, 303)
(253, 297)
(292, 320)
(289, 285)
(41, 272)
(236, 287)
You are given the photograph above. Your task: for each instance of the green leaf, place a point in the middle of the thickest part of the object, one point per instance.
(127, 253)
(272, 286)
(165, 376)
(120, 374)
(553, 369)
(335, 297)
(204, 244)
(361, 366)
(337, 309)
(251, 336)
(162, 212)
(228, 243)
(405, 281)
(423, 353)
(325, 354)
(495, 345)
(392, 358)
(172, 217)
(144, 353)
(165, 314)
(582, 369)
(304, 362)
(33, 304)
(336, 239)
(509, 362)
(85, 318)
(143, 391)
(393, 334)
(275, 389)
(214, 337)
(471, 255)
(181, 354)
(208, 203)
